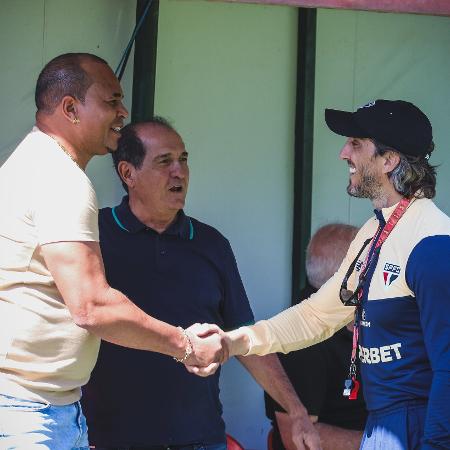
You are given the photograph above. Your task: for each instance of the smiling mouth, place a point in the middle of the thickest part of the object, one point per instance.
(116, 129)
(176, 188)
(351, 169)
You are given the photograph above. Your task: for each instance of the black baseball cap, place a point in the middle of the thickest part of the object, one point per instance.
(394, 123)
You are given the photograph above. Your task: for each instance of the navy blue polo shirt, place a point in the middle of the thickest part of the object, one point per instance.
(184, 275)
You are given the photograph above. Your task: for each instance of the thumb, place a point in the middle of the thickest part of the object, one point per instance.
(205, 329)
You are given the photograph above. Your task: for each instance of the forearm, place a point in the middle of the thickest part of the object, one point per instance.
(437, 424)
(78, 271)
(300, 326)
(336, 438)
(288, 331)
(429, 282)
(270, 375)
(114, 318)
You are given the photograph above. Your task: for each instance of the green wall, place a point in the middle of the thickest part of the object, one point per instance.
(34, 31)
(226, 78)
(362, 56)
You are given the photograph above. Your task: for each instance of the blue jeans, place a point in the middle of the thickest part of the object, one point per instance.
(26, 425)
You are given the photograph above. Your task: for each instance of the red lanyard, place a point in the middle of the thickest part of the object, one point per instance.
(385, 232)
(352, 384)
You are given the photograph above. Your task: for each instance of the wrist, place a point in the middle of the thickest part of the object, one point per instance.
(297, 410)
(239, 342)
(186, 347)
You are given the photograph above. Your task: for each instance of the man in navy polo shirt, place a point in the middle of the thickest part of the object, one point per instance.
(152, 250)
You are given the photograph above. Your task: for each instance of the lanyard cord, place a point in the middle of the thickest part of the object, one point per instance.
(378, 239)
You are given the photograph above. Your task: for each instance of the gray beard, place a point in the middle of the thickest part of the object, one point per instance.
(368, 187)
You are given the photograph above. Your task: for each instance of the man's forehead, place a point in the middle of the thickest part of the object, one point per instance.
(158, 148)
(160, 139)
(103, 78)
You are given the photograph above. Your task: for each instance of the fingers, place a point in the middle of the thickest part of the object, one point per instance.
(208, 345)
(203, 329)
(312, 442)
(203, 371)
(304, 435)
(212, 348)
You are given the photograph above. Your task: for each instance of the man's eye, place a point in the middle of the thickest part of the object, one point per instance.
(113, 102)
(164, 162)
(184, 159)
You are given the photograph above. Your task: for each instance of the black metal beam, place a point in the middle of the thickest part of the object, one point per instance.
(144, 72)
(304, 130)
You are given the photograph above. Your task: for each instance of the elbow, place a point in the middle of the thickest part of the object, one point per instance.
(85, 319)
(86, 308)
(85, 315)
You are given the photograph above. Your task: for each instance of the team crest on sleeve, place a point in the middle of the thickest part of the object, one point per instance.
(390, 273)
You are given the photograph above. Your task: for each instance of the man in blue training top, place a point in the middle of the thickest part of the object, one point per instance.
(395, 282)
(149, 246)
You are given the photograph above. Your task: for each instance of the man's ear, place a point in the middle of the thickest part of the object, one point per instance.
(127, 173)
(391, 161)
(69, 108)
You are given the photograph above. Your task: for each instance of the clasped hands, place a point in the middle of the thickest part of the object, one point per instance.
(211, 347)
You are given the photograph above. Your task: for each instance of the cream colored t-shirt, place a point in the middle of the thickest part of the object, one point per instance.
(44, 197)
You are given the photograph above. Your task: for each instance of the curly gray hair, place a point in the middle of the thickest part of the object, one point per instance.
(414, 176)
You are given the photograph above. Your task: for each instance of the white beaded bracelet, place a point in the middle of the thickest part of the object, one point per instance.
(189, 348)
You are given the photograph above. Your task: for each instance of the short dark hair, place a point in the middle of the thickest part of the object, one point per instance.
(63, 76)
(130, 147)
(414, 176)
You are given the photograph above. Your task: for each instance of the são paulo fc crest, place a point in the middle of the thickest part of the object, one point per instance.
(390, 273)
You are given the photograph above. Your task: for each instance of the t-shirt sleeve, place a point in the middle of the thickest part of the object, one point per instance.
(65, 209)
(236, 310)
(428, 276)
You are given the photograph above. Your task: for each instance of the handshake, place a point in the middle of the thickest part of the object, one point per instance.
(212, 347)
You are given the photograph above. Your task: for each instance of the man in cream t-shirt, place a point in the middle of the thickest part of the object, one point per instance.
(55, 303)
(44, 355)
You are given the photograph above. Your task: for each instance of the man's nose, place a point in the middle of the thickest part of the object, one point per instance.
(178, 170)
(123, 111)
(345, 152)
